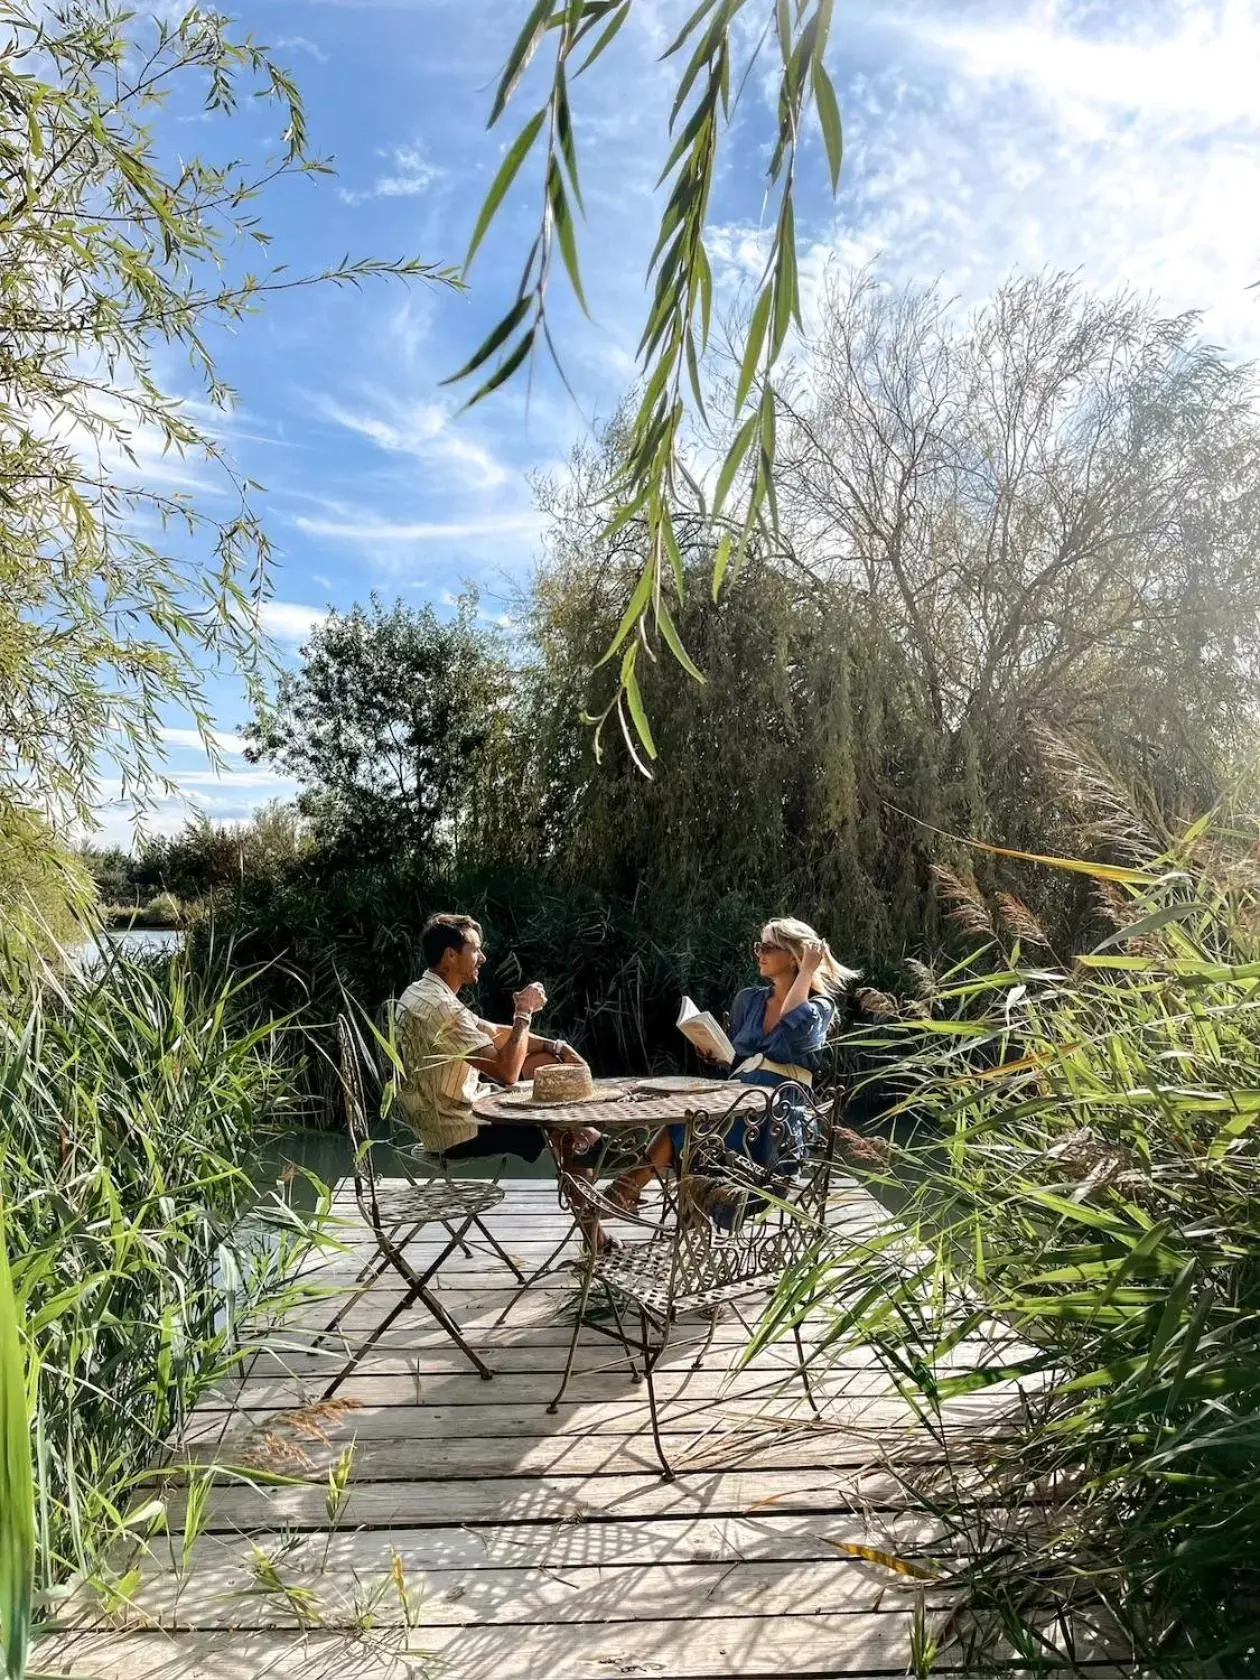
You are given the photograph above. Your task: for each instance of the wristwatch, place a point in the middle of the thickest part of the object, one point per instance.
(558, 1048)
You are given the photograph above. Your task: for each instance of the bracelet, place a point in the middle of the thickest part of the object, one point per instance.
(517, 1018)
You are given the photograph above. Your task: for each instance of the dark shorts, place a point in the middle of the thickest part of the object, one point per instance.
(500, 1137)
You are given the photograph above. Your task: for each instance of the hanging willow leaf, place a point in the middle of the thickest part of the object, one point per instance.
(564, 231)
(507, 368)
(506, 327)
(721, 561)
(634, 700)
(508, 171)
(633, 613)
(674, 643)
(522, 51)
(734, 461)
(714, 50)
(606, 38)
(828, 108)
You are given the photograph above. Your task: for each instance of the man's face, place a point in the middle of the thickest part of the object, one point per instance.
(467, 964)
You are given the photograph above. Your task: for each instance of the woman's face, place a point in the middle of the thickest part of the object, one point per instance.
(774, 960)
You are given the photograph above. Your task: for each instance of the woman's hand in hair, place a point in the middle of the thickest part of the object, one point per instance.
(812, 953)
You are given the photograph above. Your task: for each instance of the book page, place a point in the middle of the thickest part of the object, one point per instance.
(702, 1030)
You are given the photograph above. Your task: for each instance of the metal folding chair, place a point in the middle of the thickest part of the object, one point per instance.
(737, 1228)
(397, 1212)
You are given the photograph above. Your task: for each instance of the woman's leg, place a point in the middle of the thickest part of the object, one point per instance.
(625, 1191)
(564, 1150)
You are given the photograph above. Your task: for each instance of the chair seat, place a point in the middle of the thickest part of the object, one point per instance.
(439, 1198)
(644, 1273)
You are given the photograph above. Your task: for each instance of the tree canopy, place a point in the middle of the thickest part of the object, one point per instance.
(385, 724)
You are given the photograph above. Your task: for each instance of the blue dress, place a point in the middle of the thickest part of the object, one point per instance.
(796, 1040)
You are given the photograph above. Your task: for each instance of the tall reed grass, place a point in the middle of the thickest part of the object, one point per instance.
(132, 1099)
(1085, 1171)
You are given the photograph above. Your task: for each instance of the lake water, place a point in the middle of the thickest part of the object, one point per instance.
(132, 942)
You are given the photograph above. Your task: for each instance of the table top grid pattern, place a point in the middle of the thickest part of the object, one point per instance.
(631, 1109)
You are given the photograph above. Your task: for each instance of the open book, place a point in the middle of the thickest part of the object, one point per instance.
(703, 1031)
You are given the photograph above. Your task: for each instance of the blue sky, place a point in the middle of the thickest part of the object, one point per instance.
(1118, 139)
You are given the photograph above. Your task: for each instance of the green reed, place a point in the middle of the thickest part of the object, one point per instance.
(1084, 1171)
(132, 1099)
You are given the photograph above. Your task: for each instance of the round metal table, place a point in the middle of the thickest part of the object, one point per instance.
(624, 1106)
(628, 1118)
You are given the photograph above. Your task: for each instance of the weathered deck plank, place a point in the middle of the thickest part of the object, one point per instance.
(530, 1545)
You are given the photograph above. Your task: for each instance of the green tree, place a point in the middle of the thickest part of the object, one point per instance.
(1015, 547)
(111, 871)
(385, 725)
(45, 890)
(113, 248)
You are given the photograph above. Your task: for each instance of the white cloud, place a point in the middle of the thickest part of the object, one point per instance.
(1121, 142)
(289, 621)
(1202, 73)
(425, 431)
(235, 779)
(299, 43)
(230, 744)
(231, 798)
(413, 174)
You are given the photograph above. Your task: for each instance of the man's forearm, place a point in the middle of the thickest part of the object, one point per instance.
(514, 1049)
(535, 1045)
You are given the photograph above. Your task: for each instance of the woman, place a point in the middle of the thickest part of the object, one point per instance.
(778, 1030)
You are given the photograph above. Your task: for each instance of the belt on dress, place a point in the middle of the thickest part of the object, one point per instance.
(785, 1070)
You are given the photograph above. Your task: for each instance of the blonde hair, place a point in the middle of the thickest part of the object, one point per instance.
(830, 977)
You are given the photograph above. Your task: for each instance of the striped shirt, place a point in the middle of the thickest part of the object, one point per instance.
(438, 1086)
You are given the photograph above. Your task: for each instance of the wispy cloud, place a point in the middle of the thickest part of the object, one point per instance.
(368, 530)
(299, 43)
(1118, 142)
(412, 174)
(233, 745)
(231, 798)
(425, 431)
(1201, 72)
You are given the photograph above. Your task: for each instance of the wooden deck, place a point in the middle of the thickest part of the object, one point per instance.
(480, 1538)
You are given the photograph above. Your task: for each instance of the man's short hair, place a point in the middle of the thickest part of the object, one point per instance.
(445, 933)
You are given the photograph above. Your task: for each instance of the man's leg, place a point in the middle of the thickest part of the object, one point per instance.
(525, 1141)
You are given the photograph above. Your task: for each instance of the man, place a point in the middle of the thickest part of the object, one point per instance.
(445, 1049)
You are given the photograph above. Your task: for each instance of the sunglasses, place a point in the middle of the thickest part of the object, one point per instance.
(761, 946)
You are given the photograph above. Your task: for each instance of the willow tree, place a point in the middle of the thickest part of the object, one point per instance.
(120, 586)
(1053, 506)
(787, 766)
(1015, 576)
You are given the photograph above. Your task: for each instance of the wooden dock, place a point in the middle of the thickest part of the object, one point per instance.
(431, 1524)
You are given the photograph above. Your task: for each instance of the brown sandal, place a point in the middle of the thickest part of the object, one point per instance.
(623, 1198)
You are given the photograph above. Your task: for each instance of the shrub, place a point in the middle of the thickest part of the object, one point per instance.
(163, 911)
